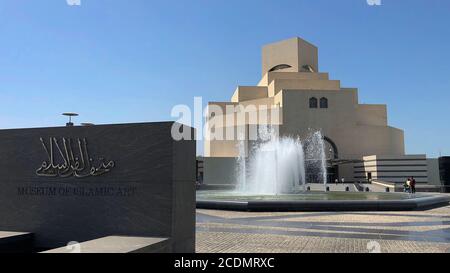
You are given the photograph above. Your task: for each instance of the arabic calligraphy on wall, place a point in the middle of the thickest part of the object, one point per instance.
(64, 161)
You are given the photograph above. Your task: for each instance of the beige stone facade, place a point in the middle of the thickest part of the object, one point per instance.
(393, 168)
(301, 98)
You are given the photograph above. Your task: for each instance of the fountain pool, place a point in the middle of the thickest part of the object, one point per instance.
(320, 201)
(273, 176)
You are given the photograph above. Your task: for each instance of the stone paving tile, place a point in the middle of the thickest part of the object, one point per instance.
(220, 242)
(323, 232)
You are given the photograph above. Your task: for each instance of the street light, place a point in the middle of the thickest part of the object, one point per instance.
(70, 115)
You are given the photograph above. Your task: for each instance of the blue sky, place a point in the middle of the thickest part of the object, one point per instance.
(118, 61)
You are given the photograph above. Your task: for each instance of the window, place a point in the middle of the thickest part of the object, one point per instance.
(279, 67)
(308, 68)
(313, 103)
(323, 103)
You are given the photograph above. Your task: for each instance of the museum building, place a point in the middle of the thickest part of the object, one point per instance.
(360, 144)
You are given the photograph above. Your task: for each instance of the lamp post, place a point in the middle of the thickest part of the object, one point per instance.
(70, 115)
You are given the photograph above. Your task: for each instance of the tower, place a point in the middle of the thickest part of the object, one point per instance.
(292, 55)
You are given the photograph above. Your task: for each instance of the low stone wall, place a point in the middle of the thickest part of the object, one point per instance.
(82, 183)
(398, 187)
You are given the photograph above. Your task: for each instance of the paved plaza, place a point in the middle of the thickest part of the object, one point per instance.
(323, 232)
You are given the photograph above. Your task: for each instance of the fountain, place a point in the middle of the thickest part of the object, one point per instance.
(316, 164)
(241, 169)
(273, 172)
(277, 165)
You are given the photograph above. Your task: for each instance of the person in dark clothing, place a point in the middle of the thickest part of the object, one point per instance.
(413, 185)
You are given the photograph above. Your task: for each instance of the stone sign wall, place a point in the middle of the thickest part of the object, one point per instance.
(80, 183)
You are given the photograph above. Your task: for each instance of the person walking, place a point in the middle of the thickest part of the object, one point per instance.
(413, 185)
(406, 186)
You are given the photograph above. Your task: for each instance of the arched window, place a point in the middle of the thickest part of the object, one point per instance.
(331, 151)
(312, 102)
(323, 103)
(279, 67)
